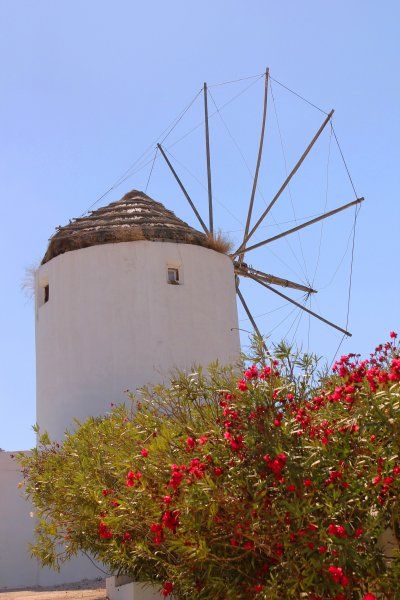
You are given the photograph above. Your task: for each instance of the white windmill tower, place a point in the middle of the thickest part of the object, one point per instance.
(124, 295)
(107, 315)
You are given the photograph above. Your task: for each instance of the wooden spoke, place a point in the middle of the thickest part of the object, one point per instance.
(307, 310)
(287, 180)
(307, 224)
(260, 150)
(188, 198)
(250, 316)
(246, 271)
(210, 207)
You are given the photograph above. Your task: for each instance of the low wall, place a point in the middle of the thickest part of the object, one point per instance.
(17, 568)
(122, 588)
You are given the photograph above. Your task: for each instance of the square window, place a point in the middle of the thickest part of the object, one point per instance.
(173, 276)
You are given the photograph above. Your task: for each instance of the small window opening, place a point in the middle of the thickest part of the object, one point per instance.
(46, 293)
(173, 276)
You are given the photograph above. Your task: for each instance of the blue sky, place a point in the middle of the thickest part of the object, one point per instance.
(87, 86)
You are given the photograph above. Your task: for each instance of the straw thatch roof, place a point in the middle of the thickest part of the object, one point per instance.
(134, 217)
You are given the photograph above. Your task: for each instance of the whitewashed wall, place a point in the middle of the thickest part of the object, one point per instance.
(17, 568)
(113, 323)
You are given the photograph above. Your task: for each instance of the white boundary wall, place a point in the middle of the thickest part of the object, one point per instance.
(17, 568)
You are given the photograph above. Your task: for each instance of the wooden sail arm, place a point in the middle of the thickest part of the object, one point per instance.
(302, 226)
(307, 310)
(259, 157)
(245, 271)
(250, 316)
(209, 186)
(287, 181)
(188, 198)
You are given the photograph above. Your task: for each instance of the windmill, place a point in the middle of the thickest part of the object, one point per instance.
(239, 256)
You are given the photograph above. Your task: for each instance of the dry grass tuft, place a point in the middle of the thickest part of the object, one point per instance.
(28, 281)
(219, 242)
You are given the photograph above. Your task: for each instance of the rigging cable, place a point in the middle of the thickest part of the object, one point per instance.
(298, 95)
(214, 113)
(258, 188)
(301, 313)
(283, 320)
(126, 174)
(234, 80)
(266, 313)
(142, 166)
(344, 161)
(168, 130)
(324, 210)
(151, 170)
(356, 212)
(309, 325)
(203, 186)
(289, 187)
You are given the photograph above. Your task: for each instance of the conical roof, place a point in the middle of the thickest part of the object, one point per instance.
(134, 217)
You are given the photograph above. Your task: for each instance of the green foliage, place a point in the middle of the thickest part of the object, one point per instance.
(276, 486)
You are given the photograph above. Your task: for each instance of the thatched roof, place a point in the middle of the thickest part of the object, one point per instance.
(134, 217)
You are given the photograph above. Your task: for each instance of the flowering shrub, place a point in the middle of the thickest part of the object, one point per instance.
(278, 485)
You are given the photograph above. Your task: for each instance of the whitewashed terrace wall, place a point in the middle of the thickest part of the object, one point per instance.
(17, 568)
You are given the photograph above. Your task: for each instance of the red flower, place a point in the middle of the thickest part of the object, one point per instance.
(157, 529)
(167, 588)
(337, 530)
(197, 468)
(144, 452)
(344, 581)
(338, 576)
(170, 519)
(307, 482)
(251, 373)
(176, 476)
(248, 545)
(236, 443)
(104, 532)
(218, 471)
(127, 536)
(358, 532)
(190, 443)
(369, 596)
(242, 385)
(322, 549)
(393, 335)
(131, 477)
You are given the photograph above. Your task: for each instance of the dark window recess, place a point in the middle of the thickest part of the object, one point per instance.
(173, 276)
(46, 293)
